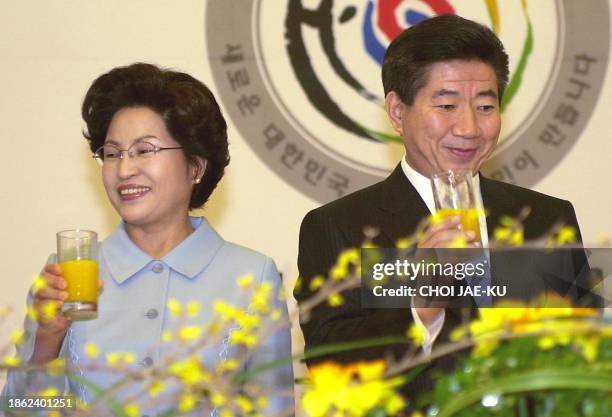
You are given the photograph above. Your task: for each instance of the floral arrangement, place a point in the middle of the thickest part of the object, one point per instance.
(526, 362)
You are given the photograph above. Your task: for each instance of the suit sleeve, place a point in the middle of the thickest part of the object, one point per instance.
(320, 243)
(581, 269)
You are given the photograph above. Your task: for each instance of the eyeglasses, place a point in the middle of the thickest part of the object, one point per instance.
(138, 151)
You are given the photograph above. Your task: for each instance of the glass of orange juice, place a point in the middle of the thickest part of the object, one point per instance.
(454, 195)
(77, 255)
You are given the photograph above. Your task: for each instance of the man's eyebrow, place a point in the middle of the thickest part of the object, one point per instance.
(444, 92)
(487, 93)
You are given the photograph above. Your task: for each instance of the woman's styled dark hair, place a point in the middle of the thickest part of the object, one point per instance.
(441, 38)
(189, 110)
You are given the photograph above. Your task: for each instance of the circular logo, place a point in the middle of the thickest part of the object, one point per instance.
(300, 79)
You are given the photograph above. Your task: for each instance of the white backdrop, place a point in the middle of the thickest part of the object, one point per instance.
(52, 50)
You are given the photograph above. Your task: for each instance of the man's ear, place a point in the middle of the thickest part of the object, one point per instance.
(395, 110)
(199, 168)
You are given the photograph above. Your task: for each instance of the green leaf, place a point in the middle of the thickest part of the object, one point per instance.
(112, 403)
(542, 379)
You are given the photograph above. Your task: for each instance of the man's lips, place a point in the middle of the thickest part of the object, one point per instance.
(132, 191)
(462, 153)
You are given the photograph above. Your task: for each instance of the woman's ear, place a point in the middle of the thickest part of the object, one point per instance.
(199, 168)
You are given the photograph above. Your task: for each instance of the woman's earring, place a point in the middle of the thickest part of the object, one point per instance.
(197, 180)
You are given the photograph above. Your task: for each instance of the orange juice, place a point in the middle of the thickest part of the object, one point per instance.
(82, 278)
(469, 218)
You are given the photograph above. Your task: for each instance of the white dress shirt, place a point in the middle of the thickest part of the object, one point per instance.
(422, 184)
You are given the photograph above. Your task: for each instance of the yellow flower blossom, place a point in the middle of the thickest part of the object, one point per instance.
(167, 336)
(174, 307)
(417, 334)
(49, 392)
(189, 333)
(247, 321)
(92, 350)
(347, 259)
(262, 402)
(227, 365)
(226, 412)
(245, 405)
(567, 235)
(245, 281)
(217, 399)
(56, 366)
(226, 311)
(132, 410)
(193, 308)
(350, 390)
(156, 388)
(276, 314)
(32, 313)
(17, 336)
(405, 243)
(589, 347)
(241, 337)
(187, 402)
(11, 361)
(49, 310)
(120, 358)
(38, 284)
(261, 298)
(316, 283)
(190, 371)
(335, 300)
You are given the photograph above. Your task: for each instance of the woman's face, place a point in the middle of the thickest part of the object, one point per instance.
(151, 191)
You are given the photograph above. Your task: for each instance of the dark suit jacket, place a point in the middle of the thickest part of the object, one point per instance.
(396, 209)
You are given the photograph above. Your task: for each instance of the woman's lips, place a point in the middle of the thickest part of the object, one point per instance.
(132, 192)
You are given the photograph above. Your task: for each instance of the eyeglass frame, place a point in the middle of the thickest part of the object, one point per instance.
(156, 149)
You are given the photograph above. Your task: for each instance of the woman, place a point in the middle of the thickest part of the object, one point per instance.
(162, 142)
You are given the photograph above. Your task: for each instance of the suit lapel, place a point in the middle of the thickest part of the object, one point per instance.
(401, 208)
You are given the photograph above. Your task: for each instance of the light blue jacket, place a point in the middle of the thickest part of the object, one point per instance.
(133, 314)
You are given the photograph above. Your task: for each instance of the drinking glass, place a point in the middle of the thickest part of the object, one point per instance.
(454, 196)
(77, 255)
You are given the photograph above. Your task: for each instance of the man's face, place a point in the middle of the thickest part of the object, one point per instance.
(454, 122)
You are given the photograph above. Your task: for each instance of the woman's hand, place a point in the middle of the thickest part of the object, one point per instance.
(48, 301)
(52, 323)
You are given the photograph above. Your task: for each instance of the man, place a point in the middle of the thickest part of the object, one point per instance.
(443, 79)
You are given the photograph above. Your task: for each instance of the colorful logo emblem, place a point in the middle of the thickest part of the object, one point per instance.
(301, 81)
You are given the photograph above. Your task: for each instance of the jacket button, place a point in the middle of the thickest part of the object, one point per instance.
(147, 362)
(152, 313)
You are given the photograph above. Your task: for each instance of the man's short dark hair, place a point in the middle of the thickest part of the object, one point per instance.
(441, 38)
(189, 110)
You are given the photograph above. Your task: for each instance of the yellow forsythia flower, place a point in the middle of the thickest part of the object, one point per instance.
(226, 412)
(56, 366)
(244, 404)
(187, 402)
(49, 392)
(227, 365)
(193, 308)
(335, 300)
(245, 281)
(132, 410)
(92, 350)
(38, 284)
(175, 307)
(417, 334)
(316, 283)
(11, 360)
(156, 388)
(217, 399)
(17, 336)
(187, 333)
(166, 336)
